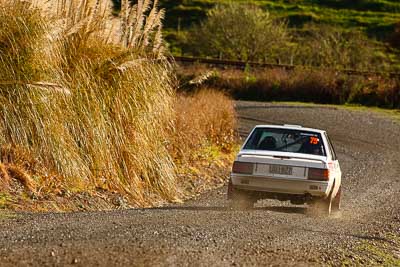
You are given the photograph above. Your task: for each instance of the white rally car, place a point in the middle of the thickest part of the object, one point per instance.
(286, 162)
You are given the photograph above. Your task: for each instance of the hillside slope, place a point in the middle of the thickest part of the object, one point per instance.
(378, 19)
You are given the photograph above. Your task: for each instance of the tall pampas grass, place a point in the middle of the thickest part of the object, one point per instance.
(139, 30)
(93, 111)
(87, 102)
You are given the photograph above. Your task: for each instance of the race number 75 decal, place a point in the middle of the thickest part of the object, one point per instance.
(314, 140)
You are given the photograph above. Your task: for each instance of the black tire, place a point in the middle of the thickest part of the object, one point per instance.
(238, 198)
(337, 199)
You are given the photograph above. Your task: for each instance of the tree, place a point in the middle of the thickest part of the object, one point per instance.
(240, 32)
(331, 47)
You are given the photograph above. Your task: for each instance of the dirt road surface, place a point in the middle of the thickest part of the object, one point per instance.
(204, 232)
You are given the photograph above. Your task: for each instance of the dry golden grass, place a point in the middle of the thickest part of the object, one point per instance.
(300, 84)
(91, 137)
(4, 178)
(203, 140)
(80, 112)
(22, 177)
(140, 31)
(205, 118)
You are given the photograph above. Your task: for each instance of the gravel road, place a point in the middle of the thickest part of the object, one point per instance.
(205, 232)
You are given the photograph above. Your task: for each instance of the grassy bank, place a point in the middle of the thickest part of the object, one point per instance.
(306, 85)
(382, 251)
(89, 113)
(374, 22)
(371, 15)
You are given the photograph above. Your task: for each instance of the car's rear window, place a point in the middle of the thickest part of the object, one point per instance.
(286, 140)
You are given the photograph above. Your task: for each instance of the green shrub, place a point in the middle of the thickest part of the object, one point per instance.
(330, 47)
(237, 31)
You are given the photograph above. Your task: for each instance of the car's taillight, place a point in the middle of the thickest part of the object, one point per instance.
(243, 167)
(318, 174)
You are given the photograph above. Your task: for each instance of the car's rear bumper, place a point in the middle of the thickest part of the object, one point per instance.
(319, 189)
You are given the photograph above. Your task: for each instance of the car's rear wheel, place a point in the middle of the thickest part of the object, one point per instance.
(238, 198)
(336, 201)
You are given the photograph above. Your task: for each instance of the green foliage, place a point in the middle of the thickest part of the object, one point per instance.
(242, 32)
(364, 14)
(376, 19)
(331, 47)
(4, 199)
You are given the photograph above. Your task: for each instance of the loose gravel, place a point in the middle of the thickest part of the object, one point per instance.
(205, 232)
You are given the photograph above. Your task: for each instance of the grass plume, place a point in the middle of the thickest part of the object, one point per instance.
(80, 111)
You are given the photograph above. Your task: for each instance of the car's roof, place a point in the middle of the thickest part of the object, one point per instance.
(291, 127)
